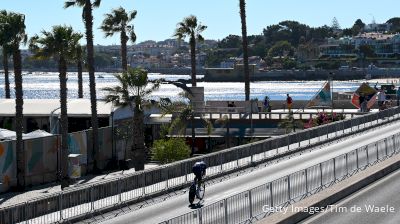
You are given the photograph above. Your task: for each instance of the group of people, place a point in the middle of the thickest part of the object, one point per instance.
(267, 103)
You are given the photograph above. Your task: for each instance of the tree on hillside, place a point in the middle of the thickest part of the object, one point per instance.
(335, 24)
(357, 27)
(190, 27)
(118, 22)
(231, 41)
(281, 49)
(395, 22)
(87, 17)
(59, 44)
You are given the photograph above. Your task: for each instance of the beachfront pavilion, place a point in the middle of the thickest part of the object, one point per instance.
(44, 114)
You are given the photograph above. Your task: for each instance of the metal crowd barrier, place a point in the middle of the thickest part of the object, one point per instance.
(116, 192)
(261, 201)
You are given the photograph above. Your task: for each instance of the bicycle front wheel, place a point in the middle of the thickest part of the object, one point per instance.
(201, 191)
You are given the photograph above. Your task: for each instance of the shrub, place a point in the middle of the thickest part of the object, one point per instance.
(170, 150)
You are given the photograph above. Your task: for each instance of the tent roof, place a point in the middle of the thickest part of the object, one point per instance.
(44, 107)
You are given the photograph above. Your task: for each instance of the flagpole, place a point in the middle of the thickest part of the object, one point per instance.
(331, 85)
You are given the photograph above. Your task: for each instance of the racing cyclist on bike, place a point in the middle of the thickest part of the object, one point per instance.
(199, 170)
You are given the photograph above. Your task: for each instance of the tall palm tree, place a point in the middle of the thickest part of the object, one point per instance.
(78, 58)
(4, 36)
(59, 44)
(133, 90)
(118, 22)
(14, 26)
(189, 27)
(87, 17)
(242, 4)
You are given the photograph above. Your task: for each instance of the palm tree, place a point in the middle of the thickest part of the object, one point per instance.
(6, 51)
(14, 26)
(87, 17)
(133, 90)
(190, 28)
(78, 58)
(59, 44)
(242, 4)
(117, 22)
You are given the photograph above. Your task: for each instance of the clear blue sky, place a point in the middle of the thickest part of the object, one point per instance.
(157, 19)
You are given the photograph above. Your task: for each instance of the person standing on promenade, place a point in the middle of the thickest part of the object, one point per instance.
(381, 99)
(363, 103)
(266, 104)
(289, 102)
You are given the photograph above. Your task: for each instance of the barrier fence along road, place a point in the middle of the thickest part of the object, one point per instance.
(261, 201)
(88, 199)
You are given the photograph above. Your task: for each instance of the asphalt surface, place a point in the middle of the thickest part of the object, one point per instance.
(179, 205)
(377, 203)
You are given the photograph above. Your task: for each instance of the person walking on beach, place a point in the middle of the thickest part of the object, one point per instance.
(289, 102)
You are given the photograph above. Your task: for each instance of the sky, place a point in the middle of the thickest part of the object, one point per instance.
(157, 19)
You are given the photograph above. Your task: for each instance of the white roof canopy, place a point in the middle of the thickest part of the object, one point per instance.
(44, 107)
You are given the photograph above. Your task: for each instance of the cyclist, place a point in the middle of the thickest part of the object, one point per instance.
(199, 170)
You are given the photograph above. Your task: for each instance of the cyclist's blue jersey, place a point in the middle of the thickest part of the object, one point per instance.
(199, 167)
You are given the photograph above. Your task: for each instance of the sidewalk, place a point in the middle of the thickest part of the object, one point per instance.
(12, 198)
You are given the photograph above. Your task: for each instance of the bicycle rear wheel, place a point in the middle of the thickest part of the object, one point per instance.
(192, 193)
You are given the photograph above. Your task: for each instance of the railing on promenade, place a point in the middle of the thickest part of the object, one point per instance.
(240, 113)
(119, 191)
(261, 201)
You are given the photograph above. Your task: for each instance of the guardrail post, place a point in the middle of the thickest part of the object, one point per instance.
(334, 169)
(386, 147)
(288, 184)
(91, 199)
(366, 148)
(119, 190)
(60, 205)
(320, 170)
(305, 173)
(347, 166)
(250, 204)
(270, 193)
(357, 158)
(226, 210)
(377, 152)
(200, 215)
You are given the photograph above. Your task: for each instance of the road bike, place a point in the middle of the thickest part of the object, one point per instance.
(196, 191)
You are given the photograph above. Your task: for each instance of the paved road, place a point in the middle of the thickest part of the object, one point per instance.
(382, 195)
(178, 205)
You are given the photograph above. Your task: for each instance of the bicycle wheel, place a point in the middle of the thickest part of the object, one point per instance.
(192, 193)
(201, 191)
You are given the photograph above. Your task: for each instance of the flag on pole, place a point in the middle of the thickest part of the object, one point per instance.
(369, 93)
(322, 98)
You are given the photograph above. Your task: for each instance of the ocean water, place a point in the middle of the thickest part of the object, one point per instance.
(46, 86)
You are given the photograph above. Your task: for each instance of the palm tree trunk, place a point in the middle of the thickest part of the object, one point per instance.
(245, 50)
(19, 117)
(62, 68)
(80, 79)
(92, 82)
(6, 75)
(139, 153)
(124, 40)
(193, 59)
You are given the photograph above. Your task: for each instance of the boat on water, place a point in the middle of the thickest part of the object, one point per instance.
(100, 77)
